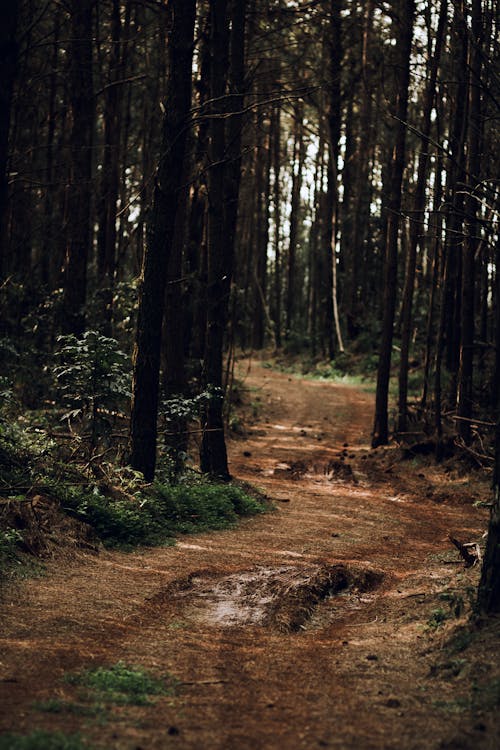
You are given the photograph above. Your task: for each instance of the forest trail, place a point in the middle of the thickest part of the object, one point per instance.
(306, 627)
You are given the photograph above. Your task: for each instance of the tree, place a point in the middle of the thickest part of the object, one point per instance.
(8, 64)
(223, 193)
(146, 374)
(80, 190)
(110, 180)
(416, 222)
(489, 585)
(402, 61)
(470, 246)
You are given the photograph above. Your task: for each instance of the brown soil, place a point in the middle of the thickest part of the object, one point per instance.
(314, 625)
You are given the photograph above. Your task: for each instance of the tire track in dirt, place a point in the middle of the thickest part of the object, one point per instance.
(351, 675)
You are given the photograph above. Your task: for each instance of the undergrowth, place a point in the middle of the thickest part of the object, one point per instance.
(114, 501)
(39, 740)
(121, 684)
(159, 512)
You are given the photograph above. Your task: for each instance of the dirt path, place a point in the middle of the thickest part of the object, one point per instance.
(307, 627)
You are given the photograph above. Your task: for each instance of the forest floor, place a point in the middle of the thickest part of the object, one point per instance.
(340, 619)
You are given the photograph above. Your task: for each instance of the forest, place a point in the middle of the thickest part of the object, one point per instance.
(203, 204)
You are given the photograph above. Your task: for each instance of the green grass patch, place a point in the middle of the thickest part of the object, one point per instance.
(155, 515)
(122, 684)
(39, 740)
(482, 696)
(57, 706)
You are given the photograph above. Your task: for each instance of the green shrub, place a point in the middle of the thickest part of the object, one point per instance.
(158, 513)
(93, 375)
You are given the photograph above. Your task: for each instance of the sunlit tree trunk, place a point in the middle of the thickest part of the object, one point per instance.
(334, 131)
(276, 155)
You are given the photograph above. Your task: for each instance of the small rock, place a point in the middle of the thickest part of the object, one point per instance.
(393, 703)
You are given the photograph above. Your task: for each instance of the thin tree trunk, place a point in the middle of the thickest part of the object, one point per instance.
(455, 200)
(8, 65)
(49, 260)
(110, 183)
(489, 585)
(416, 225)
(403, 52)
(276, 151)
(334, 131)
(465, 395)
(298, 156)
(80, 192)
(362, 187)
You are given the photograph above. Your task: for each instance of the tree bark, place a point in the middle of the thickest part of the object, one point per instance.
(416, 225)
(110, 182)
(403, 52)
(145, 386)
(465, 395)
(489, 585)
(298, 158)
(223, 194)
(334, 131)
(80, 190)
(8, 65)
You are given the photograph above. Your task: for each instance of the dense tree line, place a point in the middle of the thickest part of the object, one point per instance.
(319, 177)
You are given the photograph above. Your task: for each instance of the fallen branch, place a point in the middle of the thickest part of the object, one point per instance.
(469, 559)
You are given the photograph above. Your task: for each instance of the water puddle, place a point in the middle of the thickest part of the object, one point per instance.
(284, 597)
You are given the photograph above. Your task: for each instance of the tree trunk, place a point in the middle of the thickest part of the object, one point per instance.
(403, 52)
(364, 145)
(298, 157)
(160, 237)
(489, 585)
(334, 131)
(455, 199)
(80, 191)
(416, 225)
(276, 153)
(110, 182)
(8, 65)
(223, 194)
(465, 396)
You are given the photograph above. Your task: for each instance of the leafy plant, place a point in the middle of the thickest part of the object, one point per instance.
(94, 374)
(159, 512)
(9, 539)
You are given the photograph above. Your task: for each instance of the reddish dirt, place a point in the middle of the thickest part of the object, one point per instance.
(310, 626)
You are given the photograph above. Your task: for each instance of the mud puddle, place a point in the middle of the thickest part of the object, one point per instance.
(285, 598)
